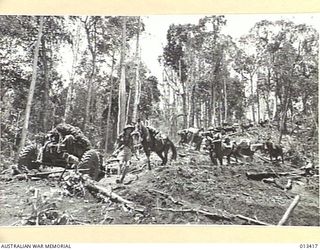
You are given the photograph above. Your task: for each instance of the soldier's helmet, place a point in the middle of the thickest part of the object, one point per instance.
(129, 126)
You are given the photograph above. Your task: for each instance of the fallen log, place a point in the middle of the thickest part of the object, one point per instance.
(105, 191)
(235, 133)
(182, 155)
(264, 175)
(93, 186)
(39, 175)
(256, 222)
(278, 185)
(206, 213)
(290, 209)
(263, 158)
(190, 210)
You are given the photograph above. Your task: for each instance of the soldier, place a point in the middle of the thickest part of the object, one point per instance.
(124, 151)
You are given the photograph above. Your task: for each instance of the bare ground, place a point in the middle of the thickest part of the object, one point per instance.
(189, 190)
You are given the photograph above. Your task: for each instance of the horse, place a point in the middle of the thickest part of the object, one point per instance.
(274, 150)
(183, 136)
(219, 148)
(151, 142)
(245, 148)
(245, 127)
(192, 136)
(230, 129)
(263, 123)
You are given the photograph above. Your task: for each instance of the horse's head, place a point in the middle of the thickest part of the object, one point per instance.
(142, 130)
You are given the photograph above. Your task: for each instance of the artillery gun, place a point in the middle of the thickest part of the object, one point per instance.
(65, 146)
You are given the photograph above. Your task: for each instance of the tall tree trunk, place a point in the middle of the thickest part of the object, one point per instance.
(197, 111)
(31, 89)
(128, 106)
(191, 99)
(275, 108)
(89, 97)
(136, 78)
(197, 101)
(283, 127)
(225, 100)
(44, 60)
(192, 107)
(109, 105)
(212, 101)
(184, 98)
(212, 121)
(207, 113)
(220, 108)
(173, 123)
(279, 101)
(252, 105)
(203, 113)
(75, 51)
(92, 48)
(184, 108)
(122, 84)
(266, 100)
(266, 96)
(304, 103)
(258, 105)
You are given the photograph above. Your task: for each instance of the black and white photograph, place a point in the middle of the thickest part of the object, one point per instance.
(159, 119)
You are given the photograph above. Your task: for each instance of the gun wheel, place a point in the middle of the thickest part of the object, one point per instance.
(91, 161)
(28, 156)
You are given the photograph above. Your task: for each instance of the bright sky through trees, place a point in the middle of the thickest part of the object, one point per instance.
(154, 38)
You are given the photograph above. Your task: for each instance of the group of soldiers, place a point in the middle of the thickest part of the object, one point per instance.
(217, 141)
(125, 147)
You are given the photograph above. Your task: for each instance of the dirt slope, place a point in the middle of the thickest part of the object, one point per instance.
(189, 190)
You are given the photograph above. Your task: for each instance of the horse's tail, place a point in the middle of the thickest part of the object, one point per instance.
(173, 149)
